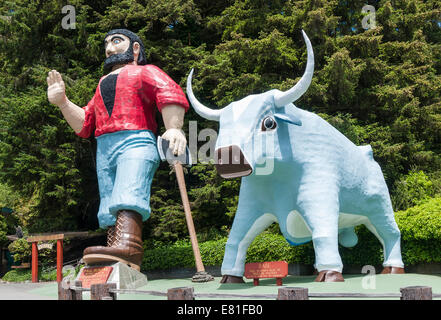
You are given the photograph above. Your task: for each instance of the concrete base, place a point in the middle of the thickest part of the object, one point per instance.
(126, 277)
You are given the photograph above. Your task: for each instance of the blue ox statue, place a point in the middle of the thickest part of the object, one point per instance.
(310, 179)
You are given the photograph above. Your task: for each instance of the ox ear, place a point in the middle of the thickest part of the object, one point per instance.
(288, 118)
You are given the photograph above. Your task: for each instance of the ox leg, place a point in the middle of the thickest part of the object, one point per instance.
(320, 209)
(324, 227)
(327, 258)
(384, 227)
(246, 227)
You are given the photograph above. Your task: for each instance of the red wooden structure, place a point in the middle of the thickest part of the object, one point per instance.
(46, 237)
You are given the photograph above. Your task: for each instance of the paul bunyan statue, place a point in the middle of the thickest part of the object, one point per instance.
(121, 115)
(301, 172)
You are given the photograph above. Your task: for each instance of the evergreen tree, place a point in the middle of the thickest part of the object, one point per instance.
(379, 86)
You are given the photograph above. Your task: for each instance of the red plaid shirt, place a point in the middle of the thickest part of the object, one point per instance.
(138, 90)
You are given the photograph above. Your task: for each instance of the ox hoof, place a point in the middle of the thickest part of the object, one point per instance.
(392, 270)
(231, 279)
(329, 276)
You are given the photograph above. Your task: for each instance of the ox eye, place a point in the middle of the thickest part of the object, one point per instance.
(268, 123)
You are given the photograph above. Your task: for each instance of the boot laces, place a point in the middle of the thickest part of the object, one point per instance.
(110, 236)
(119, 228)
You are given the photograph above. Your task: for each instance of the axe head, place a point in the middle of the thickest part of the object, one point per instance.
(166, 153)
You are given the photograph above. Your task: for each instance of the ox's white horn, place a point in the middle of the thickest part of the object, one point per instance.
(203, 111)
(282, 99)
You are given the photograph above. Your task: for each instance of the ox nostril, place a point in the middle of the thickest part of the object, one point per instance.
(231, 163)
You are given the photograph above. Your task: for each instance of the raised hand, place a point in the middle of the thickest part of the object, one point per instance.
(56, 90)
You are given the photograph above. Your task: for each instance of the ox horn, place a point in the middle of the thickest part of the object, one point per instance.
(203, 111)
(300, 88)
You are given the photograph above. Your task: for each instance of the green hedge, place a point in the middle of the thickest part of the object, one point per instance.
(420, 229)
(421, 232)
(22, 275)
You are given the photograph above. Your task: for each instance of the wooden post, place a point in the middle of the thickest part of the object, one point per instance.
(181, 293)
(76, 294)
(293, 293)
(63, 291)
(59, 260)
(99, 291)
(34, 262)
(66, 293)
(416, 293)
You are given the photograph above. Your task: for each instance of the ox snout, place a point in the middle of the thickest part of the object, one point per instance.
(231, 163)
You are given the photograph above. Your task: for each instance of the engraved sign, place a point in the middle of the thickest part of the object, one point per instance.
(272, 269)
(42, 246)
(94, 275)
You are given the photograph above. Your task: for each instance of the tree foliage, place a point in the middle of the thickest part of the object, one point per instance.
(379, 86)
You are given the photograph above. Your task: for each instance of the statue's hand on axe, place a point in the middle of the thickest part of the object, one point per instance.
(177, 140)
(173, 117)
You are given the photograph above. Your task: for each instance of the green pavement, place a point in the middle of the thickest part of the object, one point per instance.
(378, 284)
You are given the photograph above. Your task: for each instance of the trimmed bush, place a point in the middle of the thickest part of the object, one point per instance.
(421, 232)
(420, 229)
(180, 255)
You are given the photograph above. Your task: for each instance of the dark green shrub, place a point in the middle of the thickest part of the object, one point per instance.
(3, 231)
(412, 189)
(21, 250)
(266, 247)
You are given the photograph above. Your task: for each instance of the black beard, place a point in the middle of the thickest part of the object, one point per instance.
(119, 58)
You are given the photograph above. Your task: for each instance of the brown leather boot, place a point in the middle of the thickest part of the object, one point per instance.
(329, 276)
(126, 246)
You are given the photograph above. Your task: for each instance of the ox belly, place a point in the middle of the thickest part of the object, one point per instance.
(298, 229)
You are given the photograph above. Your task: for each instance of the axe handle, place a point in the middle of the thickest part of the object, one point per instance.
(188, 217)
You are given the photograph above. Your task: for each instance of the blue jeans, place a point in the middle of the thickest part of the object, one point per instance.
(126, 162)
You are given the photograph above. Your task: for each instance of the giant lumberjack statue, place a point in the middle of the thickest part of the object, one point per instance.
(122, 114)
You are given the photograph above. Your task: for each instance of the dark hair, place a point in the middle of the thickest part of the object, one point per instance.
(133, 38)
